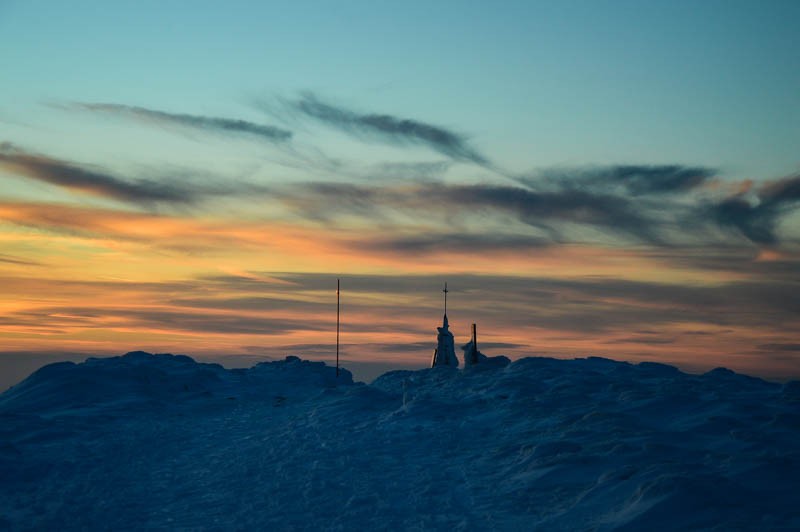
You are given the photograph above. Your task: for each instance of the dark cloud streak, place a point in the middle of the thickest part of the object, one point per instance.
(615, 213)
(18, 261)
(158, 319)
(454, 242)
(205, 123)
(757, 218)
(389, 128)
(637, 180)
(786, 348)
(71, 176)
(541, 209)
(666, 211)
(173, 189)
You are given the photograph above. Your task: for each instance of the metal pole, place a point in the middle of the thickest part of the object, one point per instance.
(445, 297)
(337, 327)
(474, 353)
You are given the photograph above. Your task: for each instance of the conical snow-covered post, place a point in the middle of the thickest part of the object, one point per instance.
(445, 354)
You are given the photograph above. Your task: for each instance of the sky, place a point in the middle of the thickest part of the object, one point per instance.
(604, 178)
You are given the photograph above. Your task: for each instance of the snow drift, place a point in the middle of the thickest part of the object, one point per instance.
(159, 441)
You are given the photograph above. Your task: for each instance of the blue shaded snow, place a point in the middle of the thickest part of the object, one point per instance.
(160, 441)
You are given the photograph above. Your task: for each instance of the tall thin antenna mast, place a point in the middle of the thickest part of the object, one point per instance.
(337, 327)
(445, 296)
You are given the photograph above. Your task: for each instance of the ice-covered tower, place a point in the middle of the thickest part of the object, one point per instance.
(445, 353)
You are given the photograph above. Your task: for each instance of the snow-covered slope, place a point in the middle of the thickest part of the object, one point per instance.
(159, 441)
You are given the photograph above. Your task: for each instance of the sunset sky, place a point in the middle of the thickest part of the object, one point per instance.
(609, 178)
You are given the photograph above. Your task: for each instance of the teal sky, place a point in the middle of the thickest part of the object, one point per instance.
(610, 178)
(536, 84)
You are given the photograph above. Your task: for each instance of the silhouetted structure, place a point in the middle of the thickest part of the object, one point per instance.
(445, 353)
(471, 349)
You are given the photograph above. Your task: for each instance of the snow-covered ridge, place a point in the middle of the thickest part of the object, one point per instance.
(161, 441)
(140, 380)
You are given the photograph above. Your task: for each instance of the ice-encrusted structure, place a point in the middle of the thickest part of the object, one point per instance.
(445, 353)
(472, 356)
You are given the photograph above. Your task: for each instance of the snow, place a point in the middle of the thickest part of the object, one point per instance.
(162, 442)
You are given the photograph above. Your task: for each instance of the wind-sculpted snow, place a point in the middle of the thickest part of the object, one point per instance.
(162, 442)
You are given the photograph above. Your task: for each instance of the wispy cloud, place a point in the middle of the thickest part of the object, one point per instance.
(174, 189)
(756, 215)
(453, 243)
(155, 319)
(787, 348)
(635, 179)
(8, 259)
(93, 181)
(691, 197)
(661, 206)
(589, 304)
(407, 171)
(543, 210)
(751, 211)
(389, 128)
(206, 123)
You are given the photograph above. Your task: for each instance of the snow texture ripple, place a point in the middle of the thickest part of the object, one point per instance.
(162, 442)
